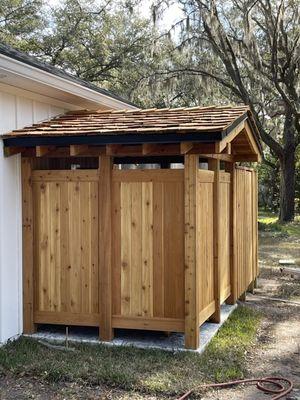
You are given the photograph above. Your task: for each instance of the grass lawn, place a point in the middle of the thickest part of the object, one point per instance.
(151, 371)
(269, 222)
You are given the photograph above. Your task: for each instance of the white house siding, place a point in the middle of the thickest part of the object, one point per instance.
(15, 112)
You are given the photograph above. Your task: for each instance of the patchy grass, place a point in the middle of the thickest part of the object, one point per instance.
(151, 371)
(290, 290)
(269, 223)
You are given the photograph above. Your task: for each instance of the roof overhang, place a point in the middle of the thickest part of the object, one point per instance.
(128, 134)
(24, 76)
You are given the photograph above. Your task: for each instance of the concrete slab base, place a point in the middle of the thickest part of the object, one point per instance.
(136, 338)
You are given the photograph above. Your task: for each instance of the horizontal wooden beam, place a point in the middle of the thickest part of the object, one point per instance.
(162, 149)
(221, 157)
(41, 151)
(161, 324)
(247, 157)
(11, 151)
(148, 148)
(203, 148)
(112, 149)
(77, 149)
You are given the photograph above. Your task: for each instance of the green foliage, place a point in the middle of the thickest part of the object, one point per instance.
(103, 42)
(219, 53)
(151, 371)
(247, 51)
(20, 20)
(270, 223)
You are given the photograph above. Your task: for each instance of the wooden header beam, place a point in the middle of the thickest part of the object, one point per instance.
(76, 150)
(41, 151)
(11, 151)
(244, 149)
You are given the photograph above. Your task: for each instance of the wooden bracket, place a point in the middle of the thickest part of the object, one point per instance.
(185, 147)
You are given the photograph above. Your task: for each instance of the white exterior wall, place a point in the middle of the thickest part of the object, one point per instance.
(15, 112)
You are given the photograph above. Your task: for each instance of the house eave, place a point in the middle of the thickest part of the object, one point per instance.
(84, 96)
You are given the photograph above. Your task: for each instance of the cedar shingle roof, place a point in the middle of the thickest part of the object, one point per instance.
(176, 120)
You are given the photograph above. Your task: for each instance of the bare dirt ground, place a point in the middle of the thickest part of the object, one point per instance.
(277, 351)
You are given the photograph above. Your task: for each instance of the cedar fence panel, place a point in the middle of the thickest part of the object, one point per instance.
(205, 244)
(224, 245)
(148, 249)
(246, 228)
(148, 244)
(65, 213)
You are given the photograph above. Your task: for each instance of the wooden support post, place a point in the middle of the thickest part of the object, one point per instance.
(105, 289)
(214, 165)
(191, 268)
(233, 267)
(28, 263)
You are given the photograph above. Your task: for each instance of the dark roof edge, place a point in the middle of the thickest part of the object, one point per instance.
(25, 58)
(30, 141)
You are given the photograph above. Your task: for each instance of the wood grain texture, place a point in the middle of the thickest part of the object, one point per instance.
(224, 245)
(190, 257)
(233, 265)
(66, 249)
(246, 228)
(138, 249)
(28, 247)
(215, 166)
(205, 243)
(105, 248)
(148, 273)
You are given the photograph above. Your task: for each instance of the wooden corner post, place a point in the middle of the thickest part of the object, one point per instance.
(105, 287)
(27, 235)
(191, 268)
(214, 165)
(233, 270)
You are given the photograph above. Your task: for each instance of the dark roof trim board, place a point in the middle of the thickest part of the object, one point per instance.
(10, 52)
(168, 138)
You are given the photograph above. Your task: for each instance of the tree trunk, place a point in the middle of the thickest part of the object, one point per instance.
(287, 174)
(287, 188)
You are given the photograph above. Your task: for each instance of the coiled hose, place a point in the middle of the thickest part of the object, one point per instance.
(283, 386)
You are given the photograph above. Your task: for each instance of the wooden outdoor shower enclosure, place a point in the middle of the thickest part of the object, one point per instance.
(156, 249)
